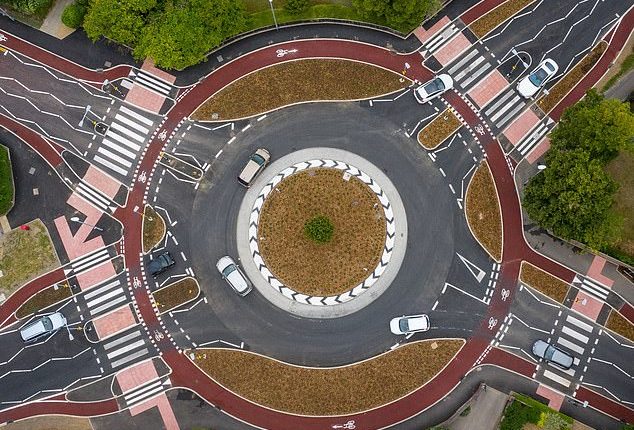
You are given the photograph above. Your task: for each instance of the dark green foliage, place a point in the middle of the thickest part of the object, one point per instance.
(398, 14)
(30, 7)
(73, 15)
(120, 20)
(574, 195)
(517, 414)
(6, 182)
(295, 7)
(319, 229)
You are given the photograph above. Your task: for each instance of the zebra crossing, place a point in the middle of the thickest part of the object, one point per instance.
(529, 142)
(86, 262)
(438, 41)
(126, 348)
(466, 71)
(505, 108)
(151, 82)
(124, 141)
(590, 286)
(574, 338)
(105, 297)
(146, 391)
(96, 197)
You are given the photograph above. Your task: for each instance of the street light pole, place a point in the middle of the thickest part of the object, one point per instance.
(273, 12)
(70, 335)
(76, 219)
(81, 122)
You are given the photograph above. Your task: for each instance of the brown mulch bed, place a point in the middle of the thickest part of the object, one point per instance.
(620, 324)
(321, 269)
(153, 228)
(437, 131)
(43, 299)
(483, 25)
(482, 208)
(299, 81)
(572, 78)
(544, 282)
(328, 391)
(176, 294)
(50, 422)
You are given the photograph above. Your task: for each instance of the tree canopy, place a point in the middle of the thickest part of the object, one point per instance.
(399, 14)
(120, 20)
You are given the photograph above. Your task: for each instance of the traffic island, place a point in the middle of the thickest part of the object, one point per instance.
(439, 130)
(293, 232)
(327, 391)
(544, 282)
(43, 299)
(485, 24)
(483, 212)
(561, 89)
(153, 228)
(298, 82)
(176, 294)
(25, 253)
(619, 324)
(7, 188)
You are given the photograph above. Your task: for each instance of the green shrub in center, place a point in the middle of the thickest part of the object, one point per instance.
(319, 229)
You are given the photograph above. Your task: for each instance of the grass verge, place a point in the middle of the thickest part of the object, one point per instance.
(176, 294)
(544, 282)
(44, 299)
(486, 23)
(50, 422)
(296, 82)
(619, 324)
(24, 255)
(621, 169)
(328, 391)
(153, 228)
(523, 410)
(321, 269)
(572, 78)
(626, 65)
(7, 190)
(483, 211)
(439, 130)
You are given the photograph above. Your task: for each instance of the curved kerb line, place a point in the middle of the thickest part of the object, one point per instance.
(387, 248)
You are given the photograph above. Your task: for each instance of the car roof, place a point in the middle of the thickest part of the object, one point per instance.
(417, 322)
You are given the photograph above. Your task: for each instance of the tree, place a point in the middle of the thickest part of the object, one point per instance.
(572, 197)
(73, 15)
(402, 15)
(187, 30)
(600, 126)
(120, 20)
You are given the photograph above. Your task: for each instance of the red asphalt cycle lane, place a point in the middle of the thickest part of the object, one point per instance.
(61, 64)
(61, 406)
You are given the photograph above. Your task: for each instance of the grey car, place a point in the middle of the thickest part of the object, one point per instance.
(543, 349)
(160, 264)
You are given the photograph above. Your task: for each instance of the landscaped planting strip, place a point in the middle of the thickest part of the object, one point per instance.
(439, 130)
(176, 294)
(43, 299)
(483, 212)
(544, 282)
(153, 228)
(492, 19)
(619, 324)
(327, 391)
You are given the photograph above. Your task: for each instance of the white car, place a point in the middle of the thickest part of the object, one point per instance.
(531, 84)
(409, 324)
(42, 327)
(433, 88)
(233, 275)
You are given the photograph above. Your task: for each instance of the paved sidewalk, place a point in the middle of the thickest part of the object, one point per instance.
(485, 410)
(53, 24)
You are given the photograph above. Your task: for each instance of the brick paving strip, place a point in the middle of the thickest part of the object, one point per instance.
(488, 88)
(555, 398)
(143, 97)
(114, 322)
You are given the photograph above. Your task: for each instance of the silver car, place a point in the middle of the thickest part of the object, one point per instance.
(531, 84)
(409, 324)
(233, 275)
(257, 162)
(434, 88)
(42, 327)
(543, 349)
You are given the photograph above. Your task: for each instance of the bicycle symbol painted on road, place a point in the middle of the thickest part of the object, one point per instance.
(348, 426)
(282, 52)
(492, 323)
(136, 283)
(158, 335)
(3, 38)
(143, 177)
(479, 129)
(505, 294)
(163, 135)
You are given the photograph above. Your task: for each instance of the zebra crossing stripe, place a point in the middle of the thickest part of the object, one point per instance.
(127, 132)
(582, 325)
(89, 260)
(572, 346)
(511, 114)
(110, 304)
(505, 108)
(96, 291)
(128, 358)
(574, 334)
(527, 144)
(126, 348)
(470, 67)
(558, 379)
(122, 339)
(114, 136)
(435, 42)
(118, 148)
(152, 82)
(143, 392)
(571, 372)
(460, 63)
(486, 66)
(114, 157)
(110, 165)
(138, 117)
(93, 194)
(138, 127)
(497, 104)
(104, 297)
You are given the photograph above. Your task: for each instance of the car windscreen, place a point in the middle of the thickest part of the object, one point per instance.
(434, 86)
(402, 324)
(258, 159)
(228, 270)
(48, 324)
(538, 77)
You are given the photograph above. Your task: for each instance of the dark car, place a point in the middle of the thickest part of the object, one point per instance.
(160, 264)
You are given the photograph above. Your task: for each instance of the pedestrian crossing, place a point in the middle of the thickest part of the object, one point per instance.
(151, 82)
(505, 108)
(469, 68)
(144, 392)
(86, 262)
(573, 339)
(126, 348)
(124, 140)
(105, 297)
(529, 142)
(96, 197)
(590, 286)
(438, 41)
